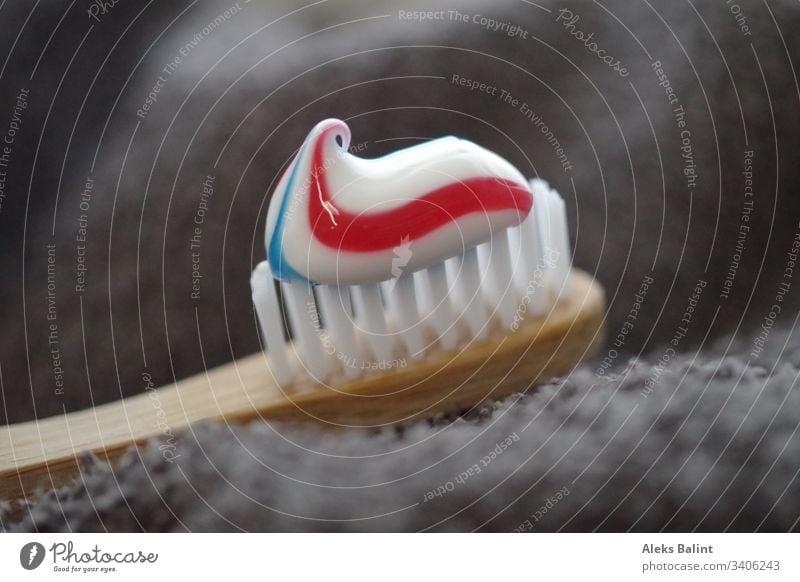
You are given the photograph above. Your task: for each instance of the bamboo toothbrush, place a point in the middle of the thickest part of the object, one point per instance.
(428, 280)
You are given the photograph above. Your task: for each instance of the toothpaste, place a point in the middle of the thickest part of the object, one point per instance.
(338, 219)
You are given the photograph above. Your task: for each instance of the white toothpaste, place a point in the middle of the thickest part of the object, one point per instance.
(338, 219)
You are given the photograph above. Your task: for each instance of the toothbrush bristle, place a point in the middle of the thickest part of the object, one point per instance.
(340, 336)
(441, 309)
(464, 271)
(521, 273)
(498, 280)
(372, 321)
(401, 298)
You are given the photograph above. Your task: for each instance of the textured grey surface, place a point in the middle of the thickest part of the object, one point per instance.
(714, 448)
(712, 445)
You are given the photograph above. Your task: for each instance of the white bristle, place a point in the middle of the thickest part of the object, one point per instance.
(369, 310)
(551, 222)
(302, 310)
(433, 281)
(402, 299)
(498, 282)
(544, 226)
(532, 267)
(334, 303)
(265, 298)
(515, 250)
(517, 275)
(560, 240)
(464, 272)
(541, 214)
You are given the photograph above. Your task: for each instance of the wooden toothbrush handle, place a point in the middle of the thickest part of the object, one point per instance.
(45, 453)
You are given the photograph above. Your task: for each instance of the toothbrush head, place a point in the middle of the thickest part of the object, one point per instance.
(387, 264)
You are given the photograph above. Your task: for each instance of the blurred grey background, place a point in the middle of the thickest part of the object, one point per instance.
(655, 184)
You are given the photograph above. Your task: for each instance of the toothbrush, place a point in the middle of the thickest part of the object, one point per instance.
(430, 279)
(353, 242)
